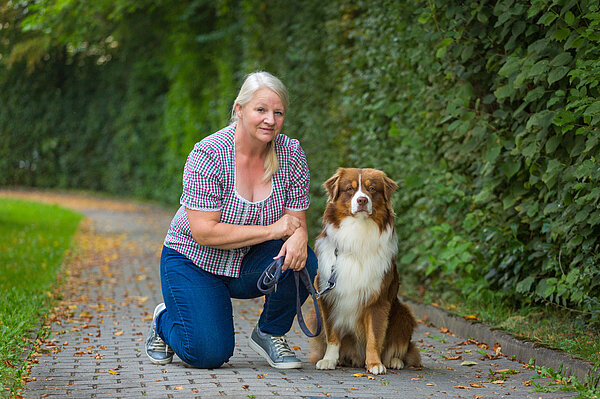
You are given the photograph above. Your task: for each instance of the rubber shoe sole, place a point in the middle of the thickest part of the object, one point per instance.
(258, 349)
(160, 362)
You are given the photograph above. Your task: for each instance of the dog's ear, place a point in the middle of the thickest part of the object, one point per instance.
(332, 186)
(389, 186)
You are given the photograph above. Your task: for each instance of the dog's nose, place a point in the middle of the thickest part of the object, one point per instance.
(362, 200)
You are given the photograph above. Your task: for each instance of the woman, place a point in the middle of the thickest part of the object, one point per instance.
(244, 201)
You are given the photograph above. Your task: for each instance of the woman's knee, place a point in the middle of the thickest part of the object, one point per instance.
(207, 354)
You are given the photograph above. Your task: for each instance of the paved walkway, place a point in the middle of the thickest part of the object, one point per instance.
(96, 348)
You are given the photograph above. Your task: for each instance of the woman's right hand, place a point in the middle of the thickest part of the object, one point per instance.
(284, 227)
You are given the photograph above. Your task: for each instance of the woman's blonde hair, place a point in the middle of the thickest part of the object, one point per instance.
(254, 82)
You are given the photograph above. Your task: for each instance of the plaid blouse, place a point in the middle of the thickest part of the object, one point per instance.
(209, 185)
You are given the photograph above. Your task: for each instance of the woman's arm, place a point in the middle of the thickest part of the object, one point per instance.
(295, 247)
(208, 230)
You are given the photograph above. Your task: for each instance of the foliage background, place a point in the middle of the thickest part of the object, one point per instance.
(485, 112)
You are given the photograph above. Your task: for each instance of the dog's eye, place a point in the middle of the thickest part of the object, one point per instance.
(350, 189)
(371, 189)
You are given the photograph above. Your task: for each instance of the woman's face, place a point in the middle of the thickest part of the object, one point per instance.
(262, 118)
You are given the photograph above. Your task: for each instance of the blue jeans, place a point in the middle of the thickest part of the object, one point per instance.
(198, 321)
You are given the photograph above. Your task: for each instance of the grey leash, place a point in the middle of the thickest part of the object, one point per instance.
(268, 282)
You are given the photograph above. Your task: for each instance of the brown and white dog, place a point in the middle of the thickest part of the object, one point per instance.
(364, 322)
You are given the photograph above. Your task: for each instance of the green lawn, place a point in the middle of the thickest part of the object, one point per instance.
(34, 239)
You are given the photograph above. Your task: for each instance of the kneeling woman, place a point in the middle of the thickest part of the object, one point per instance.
(245, 194)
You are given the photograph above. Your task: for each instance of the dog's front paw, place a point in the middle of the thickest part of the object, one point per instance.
(396, 363)
(326, 364)
(376, 368)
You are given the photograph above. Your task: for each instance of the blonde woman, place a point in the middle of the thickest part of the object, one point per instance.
(244, 200)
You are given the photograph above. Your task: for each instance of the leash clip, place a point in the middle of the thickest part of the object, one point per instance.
(330, 286)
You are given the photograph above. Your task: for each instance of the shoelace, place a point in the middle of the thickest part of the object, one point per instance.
(283, 348)
(157, 344)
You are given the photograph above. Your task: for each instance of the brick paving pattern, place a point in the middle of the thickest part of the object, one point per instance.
(98, 352)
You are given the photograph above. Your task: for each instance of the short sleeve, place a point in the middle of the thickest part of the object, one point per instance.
(202, 186)
(297, 198)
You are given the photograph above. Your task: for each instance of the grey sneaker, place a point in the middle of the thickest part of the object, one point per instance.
(156, 349)
(274, 349)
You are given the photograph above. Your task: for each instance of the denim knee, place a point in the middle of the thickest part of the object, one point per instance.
(207, 355)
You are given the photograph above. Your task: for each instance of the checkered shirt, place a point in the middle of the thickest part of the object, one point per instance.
(209, 185)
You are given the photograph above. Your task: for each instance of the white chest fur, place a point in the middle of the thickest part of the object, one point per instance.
(364, 257)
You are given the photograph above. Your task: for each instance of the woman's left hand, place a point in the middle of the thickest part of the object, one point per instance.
(295, 251)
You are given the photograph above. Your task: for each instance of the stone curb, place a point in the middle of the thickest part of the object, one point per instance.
(512, 346)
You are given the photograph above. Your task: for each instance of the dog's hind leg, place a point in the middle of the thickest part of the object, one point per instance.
(393, 355)
(413, 356)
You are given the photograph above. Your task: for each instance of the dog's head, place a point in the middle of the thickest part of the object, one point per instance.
(361, 192)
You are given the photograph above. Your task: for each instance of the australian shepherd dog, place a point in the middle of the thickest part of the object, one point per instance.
(364, 322)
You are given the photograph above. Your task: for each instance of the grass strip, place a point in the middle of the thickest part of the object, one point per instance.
(34, 239)
(548, 325)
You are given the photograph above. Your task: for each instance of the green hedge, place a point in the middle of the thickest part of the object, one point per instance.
(486, 113)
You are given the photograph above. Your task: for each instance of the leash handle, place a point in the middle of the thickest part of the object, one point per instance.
(268, 281)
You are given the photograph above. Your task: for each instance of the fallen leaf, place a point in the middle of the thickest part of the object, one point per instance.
(477, 386)
(497, 349)
(468, 363)
(470, 317)
(370, 377)
(461, 387)
(119, 333)
(9, 364)
(415, 379)
(359, 375)
(452, 357)
(296, 348)
(498, 382)
(113, 372)
(259, 376)
(178, 388)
